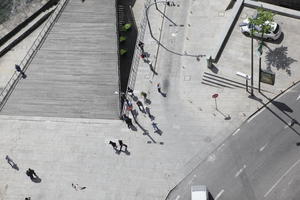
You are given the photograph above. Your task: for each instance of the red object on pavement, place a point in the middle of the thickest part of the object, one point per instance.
(215, 96)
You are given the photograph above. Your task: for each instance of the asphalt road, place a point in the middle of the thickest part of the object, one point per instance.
(260, 160)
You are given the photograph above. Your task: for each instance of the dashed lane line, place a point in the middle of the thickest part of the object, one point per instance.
(277, 182)
(219, 194)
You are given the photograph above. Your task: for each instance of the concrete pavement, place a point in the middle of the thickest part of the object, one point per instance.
(65, 151)
(258, 161)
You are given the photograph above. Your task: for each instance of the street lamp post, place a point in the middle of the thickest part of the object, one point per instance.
(252, 61)
(259, 63)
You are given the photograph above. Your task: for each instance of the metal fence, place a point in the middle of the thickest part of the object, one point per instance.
(7, 90)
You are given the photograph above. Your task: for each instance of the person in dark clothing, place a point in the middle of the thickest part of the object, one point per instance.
(113, 144)
(141, 45)
(140, 105)
(128, 121)
(122, 145)
(31, 173)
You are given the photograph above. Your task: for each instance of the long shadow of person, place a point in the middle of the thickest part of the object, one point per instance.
(152, 117)
(133, 128)
(12, 163)
(156, 129)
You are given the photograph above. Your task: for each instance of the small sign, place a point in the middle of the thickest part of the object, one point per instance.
(267, 77)
(214, 96)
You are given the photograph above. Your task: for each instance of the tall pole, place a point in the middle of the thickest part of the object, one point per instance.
(216, 103)
(252, 62)
(259, 74)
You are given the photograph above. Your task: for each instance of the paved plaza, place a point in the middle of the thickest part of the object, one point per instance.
(64, 150)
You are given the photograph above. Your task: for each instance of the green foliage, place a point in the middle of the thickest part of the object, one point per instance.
(261, 20)
(126, 27)
(122, 38)
(123, 51)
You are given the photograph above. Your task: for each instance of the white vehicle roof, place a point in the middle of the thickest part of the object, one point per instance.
(199, 192)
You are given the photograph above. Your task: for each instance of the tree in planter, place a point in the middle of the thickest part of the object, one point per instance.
(262, 20)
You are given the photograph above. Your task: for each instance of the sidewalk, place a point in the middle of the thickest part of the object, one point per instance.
(191, 125)
(63, 151)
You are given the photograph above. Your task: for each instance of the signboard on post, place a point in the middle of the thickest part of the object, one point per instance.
(267, 77)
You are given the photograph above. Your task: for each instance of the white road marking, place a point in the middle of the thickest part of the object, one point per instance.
(235, 132)
(270, 190)
(240, 171)
(263, 147)
(286, 126)
(211, 158)
(220, 148)
(219, 194)
(194, 176)
(298, 98)
(178, 197)
(250, 119)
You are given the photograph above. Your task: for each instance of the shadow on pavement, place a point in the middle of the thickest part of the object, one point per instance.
(289, 123)
(282, 106)
(278, 58)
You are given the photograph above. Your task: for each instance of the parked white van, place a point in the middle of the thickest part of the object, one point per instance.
(199, 192)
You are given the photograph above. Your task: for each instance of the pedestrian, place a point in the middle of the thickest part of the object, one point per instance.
(149, 114)
(128, 121)
(27, 198)
(140, 105)
(18, 68)
(122, 145)
(152, 69)
(129, 105)
(144, 57)
(31, 173)
(130, 91)
(113, 144)
(144, 95)
(141, 45)
(158, 88)
(77, 187)
(155, 127)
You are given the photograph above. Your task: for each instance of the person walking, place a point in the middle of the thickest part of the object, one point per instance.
(128, 121)
(31, 173)
(140, 105)
(152, 69)
(159, 90)
(122, 145)
(141, 45)
(113, 144)
(149, 113)
(129, 105)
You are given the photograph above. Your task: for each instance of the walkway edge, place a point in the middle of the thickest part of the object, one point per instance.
(258, 110)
